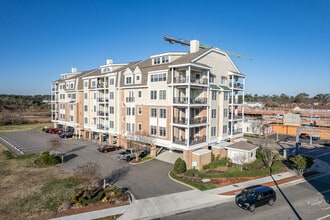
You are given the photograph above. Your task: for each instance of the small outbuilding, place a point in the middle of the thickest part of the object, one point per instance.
(242, 152)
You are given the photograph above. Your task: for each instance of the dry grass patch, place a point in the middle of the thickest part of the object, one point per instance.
(28, 191)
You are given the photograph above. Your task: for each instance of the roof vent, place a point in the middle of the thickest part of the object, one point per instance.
(109, 61)
(73, 70)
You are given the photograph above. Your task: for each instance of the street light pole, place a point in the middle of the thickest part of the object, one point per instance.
(310, 135)
(277, 116)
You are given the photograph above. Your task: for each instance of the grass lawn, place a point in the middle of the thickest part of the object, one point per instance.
(24, 127)
(30, 192)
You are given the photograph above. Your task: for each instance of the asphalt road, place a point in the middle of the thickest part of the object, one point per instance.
(144, 180)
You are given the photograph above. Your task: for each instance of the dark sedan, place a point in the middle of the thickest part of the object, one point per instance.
(108, 148)
(66, 135)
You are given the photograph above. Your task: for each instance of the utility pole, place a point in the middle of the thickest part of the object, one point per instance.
(311, 124)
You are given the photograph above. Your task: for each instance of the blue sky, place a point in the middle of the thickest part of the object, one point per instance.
(289, 40)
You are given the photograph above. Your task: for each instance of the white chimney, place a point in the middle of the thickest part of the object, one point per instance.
(194, 46)
(109, 61)
(73, 70)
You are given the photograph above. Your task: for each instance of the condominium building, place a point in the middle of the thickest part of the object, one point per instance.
(181, 101)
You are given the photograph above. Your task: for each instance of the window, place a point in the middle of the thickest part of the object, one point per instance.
(211, 79)
(140, 110)
(140, 127)
(93, 84)
(86, 95)
(111, 95)
(71, 117)
(71, 85)
(112, 110)
(112, 124)
(153, 94)
(162, 113)
(157, 60)
(162, 131)
(71, 107)
(225, 112)
(224, 129)
(94, 95)
(214, 113)
(213, 131)
(153, 113)
(165, 59)
(226, 95)
(86, 108)
(86, 120)
(128, 80)
(223, 80)
(137, 77)
(159, 77)
(128, 127)
(112, 81)
(153, 130)
(86, 84)
(94, 108)
(130, 111)
(214, 95)
(139, 94)
(162, 94)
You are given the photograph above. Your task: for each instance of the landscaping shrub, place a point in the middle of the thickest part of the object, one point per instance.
(47, 159)
(191, 173)
(216, 163)
(180, 166)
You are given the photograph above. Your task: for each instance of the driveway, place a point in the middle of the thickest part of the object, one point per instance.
(144, 180)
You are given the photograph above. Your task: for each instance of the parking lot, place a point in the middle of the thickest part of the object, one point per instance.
(144, 180)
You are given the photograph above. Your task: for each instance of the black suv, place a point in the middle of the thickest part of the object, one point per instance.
(255, 196)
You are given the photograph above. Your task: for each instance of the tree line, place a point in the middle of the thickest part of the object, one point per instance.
(283, 99)
(24, 102)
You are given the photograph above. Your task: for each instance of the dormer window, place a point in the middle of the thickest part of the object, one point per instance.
(128, 80)
(157, 60)
(165, 59)
(161, 60)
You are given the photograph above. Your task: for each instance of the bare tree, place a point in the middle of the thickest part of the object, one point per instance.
(55, 143)
(90, 173)
(139, 141)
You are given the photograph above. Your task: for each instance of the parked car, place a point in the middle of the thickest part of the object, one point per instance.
(66, 135)
(54, 131)
(108, 148)
(255, 196)
(127, 155)
(304, 136)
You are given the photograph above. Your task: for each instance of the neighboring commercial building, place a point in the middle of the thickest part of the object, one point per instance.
(178, 101)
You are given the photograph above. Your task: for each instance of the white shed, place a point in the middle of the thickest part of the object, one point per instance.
(242, 152)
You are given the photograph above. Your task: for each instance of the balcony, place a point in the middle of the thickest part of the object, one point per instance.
(198, 120)
(236, 85)
(130, 99)
(192, 141)
(102, 113)
(197, 140)
(235, 117)
(180, 80)
(180, 100)
(199, 81)
(180, 141)
(182, 121)
(198, 101)
(236, 131)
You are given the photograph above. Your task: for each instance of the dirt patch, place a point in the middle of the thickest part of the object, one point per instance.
(231, 181)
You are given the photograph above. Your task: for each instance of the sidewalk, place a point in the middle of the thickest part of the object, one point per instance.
(172, 204)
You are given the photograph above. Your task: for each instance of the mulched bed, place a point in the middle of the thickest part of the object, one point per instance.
(89, 208)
